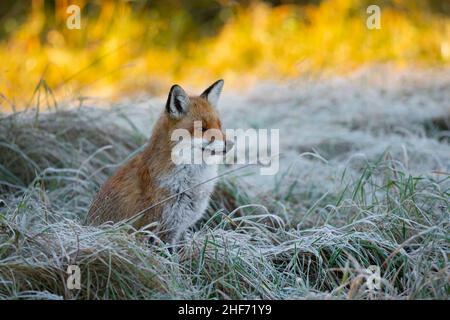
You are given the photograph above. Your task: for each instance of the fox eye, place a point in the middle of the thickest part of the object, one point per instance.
(204, 129)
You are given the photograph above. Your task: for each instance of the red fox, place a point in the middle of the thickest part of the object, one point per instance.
(151, 176)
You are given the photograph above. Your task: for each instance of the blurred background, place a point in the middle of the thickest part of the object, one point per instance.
(128, 47)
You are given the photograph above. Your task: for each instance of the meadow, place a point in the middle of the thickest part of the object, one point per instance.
(364, 181)
(364, 122)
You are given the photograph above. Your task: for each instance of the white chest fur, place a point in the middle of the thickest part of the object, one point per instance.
(188, 207)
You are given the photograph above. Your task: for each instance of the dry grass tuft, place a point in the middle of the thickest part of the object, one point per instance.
(286, 244)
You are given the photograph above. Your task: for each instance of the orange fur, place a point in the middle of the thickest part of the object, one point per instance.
(137, 185)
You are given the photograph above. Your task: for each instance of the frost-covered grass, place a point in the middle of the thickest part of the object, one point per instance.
(364, 180)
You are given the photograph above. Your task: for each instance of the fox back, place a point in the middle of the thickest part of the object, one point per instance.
(152, 187)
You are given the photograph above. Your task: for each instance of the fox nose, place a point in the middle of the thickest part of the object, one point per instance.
(228, 145)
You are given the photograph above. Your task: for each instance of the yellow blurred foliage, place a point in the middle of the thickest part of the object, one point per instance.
(115, 54)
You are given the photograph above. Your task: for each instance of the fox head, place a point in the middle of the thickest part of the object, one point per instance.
(197, 116)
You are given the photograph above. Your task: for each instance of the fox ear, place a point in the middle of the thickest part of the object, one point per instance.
(212, 94)
(177, 103)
